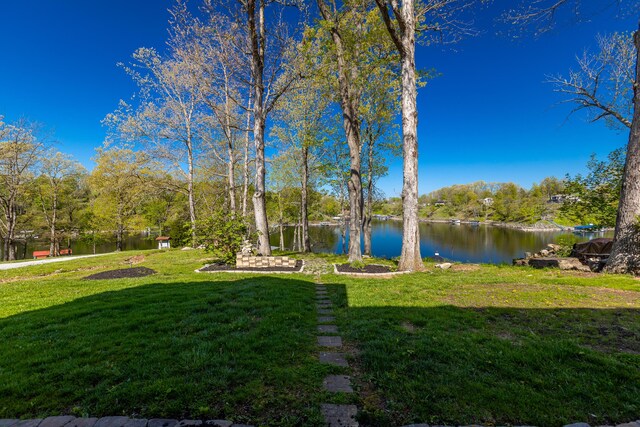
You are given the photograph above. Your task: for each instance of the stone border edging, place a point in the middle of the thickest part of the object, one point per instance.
(198, 270)
(390, 273)
(629, 424)
(114, 421)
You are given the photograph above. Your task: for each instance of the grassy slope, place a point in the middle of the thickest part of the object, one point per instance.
(490, 344)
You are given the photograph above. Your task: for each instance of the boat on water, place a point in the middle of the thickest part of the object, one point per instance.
(455, 221)
(587, 228)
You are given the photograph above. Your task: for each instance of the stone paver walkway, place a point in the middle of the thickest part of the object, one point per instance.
(334, 415)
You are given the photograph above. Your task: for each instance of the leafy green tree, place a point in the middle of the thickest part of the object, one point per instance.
(595, 196)
(118, 183)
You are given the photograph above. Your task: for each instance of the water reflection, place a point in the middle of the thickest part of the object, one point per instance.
(465, 243)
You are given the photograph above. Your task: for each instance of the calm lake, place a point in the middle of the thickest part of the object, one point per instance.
(463, 242)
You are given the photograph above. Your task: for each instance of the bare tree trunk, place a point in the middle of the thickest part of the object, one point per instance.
(410, 258)
(294, 244)
(245, 171)
(11, 234)
(405, 40)
(230, 153)
(625, 253)
(52, 227)
(369, 204)
(257, 33)
(281, 235)
(192, 203)
(349, 104)
(119, 238)
(304, 211)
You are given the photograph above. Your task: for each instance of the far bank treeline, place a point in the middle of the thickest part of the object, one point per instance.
(591, 198)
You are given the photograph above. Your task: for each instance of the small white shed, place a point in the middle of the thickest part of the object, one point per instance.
(163, 242)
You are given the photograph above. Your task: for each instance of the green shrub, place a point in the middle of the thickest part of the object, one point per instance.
(222, 235)
(566, 241)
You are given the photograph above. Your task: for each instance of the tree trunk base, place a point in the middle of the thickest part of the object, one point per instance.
(625, 257)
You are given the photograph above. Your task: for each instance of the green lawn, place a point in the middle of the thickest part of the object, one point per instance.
(176, 344)
(494, 345)
(499, 345)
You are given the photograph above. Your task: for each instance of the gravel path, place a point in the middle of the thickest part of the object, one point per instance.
(11, 265)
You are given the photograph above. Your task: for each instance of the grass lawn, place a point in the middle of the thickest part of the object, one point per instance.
(494, 345)
(175, 344)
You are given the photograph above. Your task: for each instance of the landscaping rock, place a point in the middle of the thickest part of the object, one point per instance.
(56, 421)
(328, 329)
(8, 422)
(162, 422)
(218, 423)
(561, 263)
(90, 422)
(630, 424)
(339, 415)
(111, 422)
(444, 265)
(29, 423)
(338, 384)
(189, 423)
(578, 425)
(326, 319)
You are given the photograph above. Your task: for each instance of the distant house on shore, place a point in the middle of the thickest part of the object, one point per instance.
(440, 203)
(487, 201)
(561, 198)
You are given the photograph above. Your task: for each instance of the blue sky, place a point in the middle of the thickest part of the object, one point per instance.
(488, 116)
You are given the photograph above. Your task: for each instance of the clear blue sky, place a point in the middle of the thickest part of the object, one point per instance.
(489, 116)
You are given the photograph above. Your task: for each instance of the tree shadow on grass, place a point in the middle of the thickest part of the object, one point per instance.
(239, 349)
(451, 365)
(245, 350)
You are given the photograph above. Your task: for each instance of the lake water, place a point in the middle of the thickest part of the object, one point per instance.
(463, 242)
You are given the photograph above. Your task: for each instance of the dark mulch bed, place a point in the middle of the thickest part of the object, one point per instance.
(369, 268)
(226, 267)
(123, 273)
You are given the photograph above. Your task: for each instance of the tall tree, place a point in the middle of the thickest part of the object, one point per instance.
(401, 20)
(301, 131)
(58, 179)
(358, 57)
(166, 116)
(271, 33)
(20, 151)
(118, 184)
